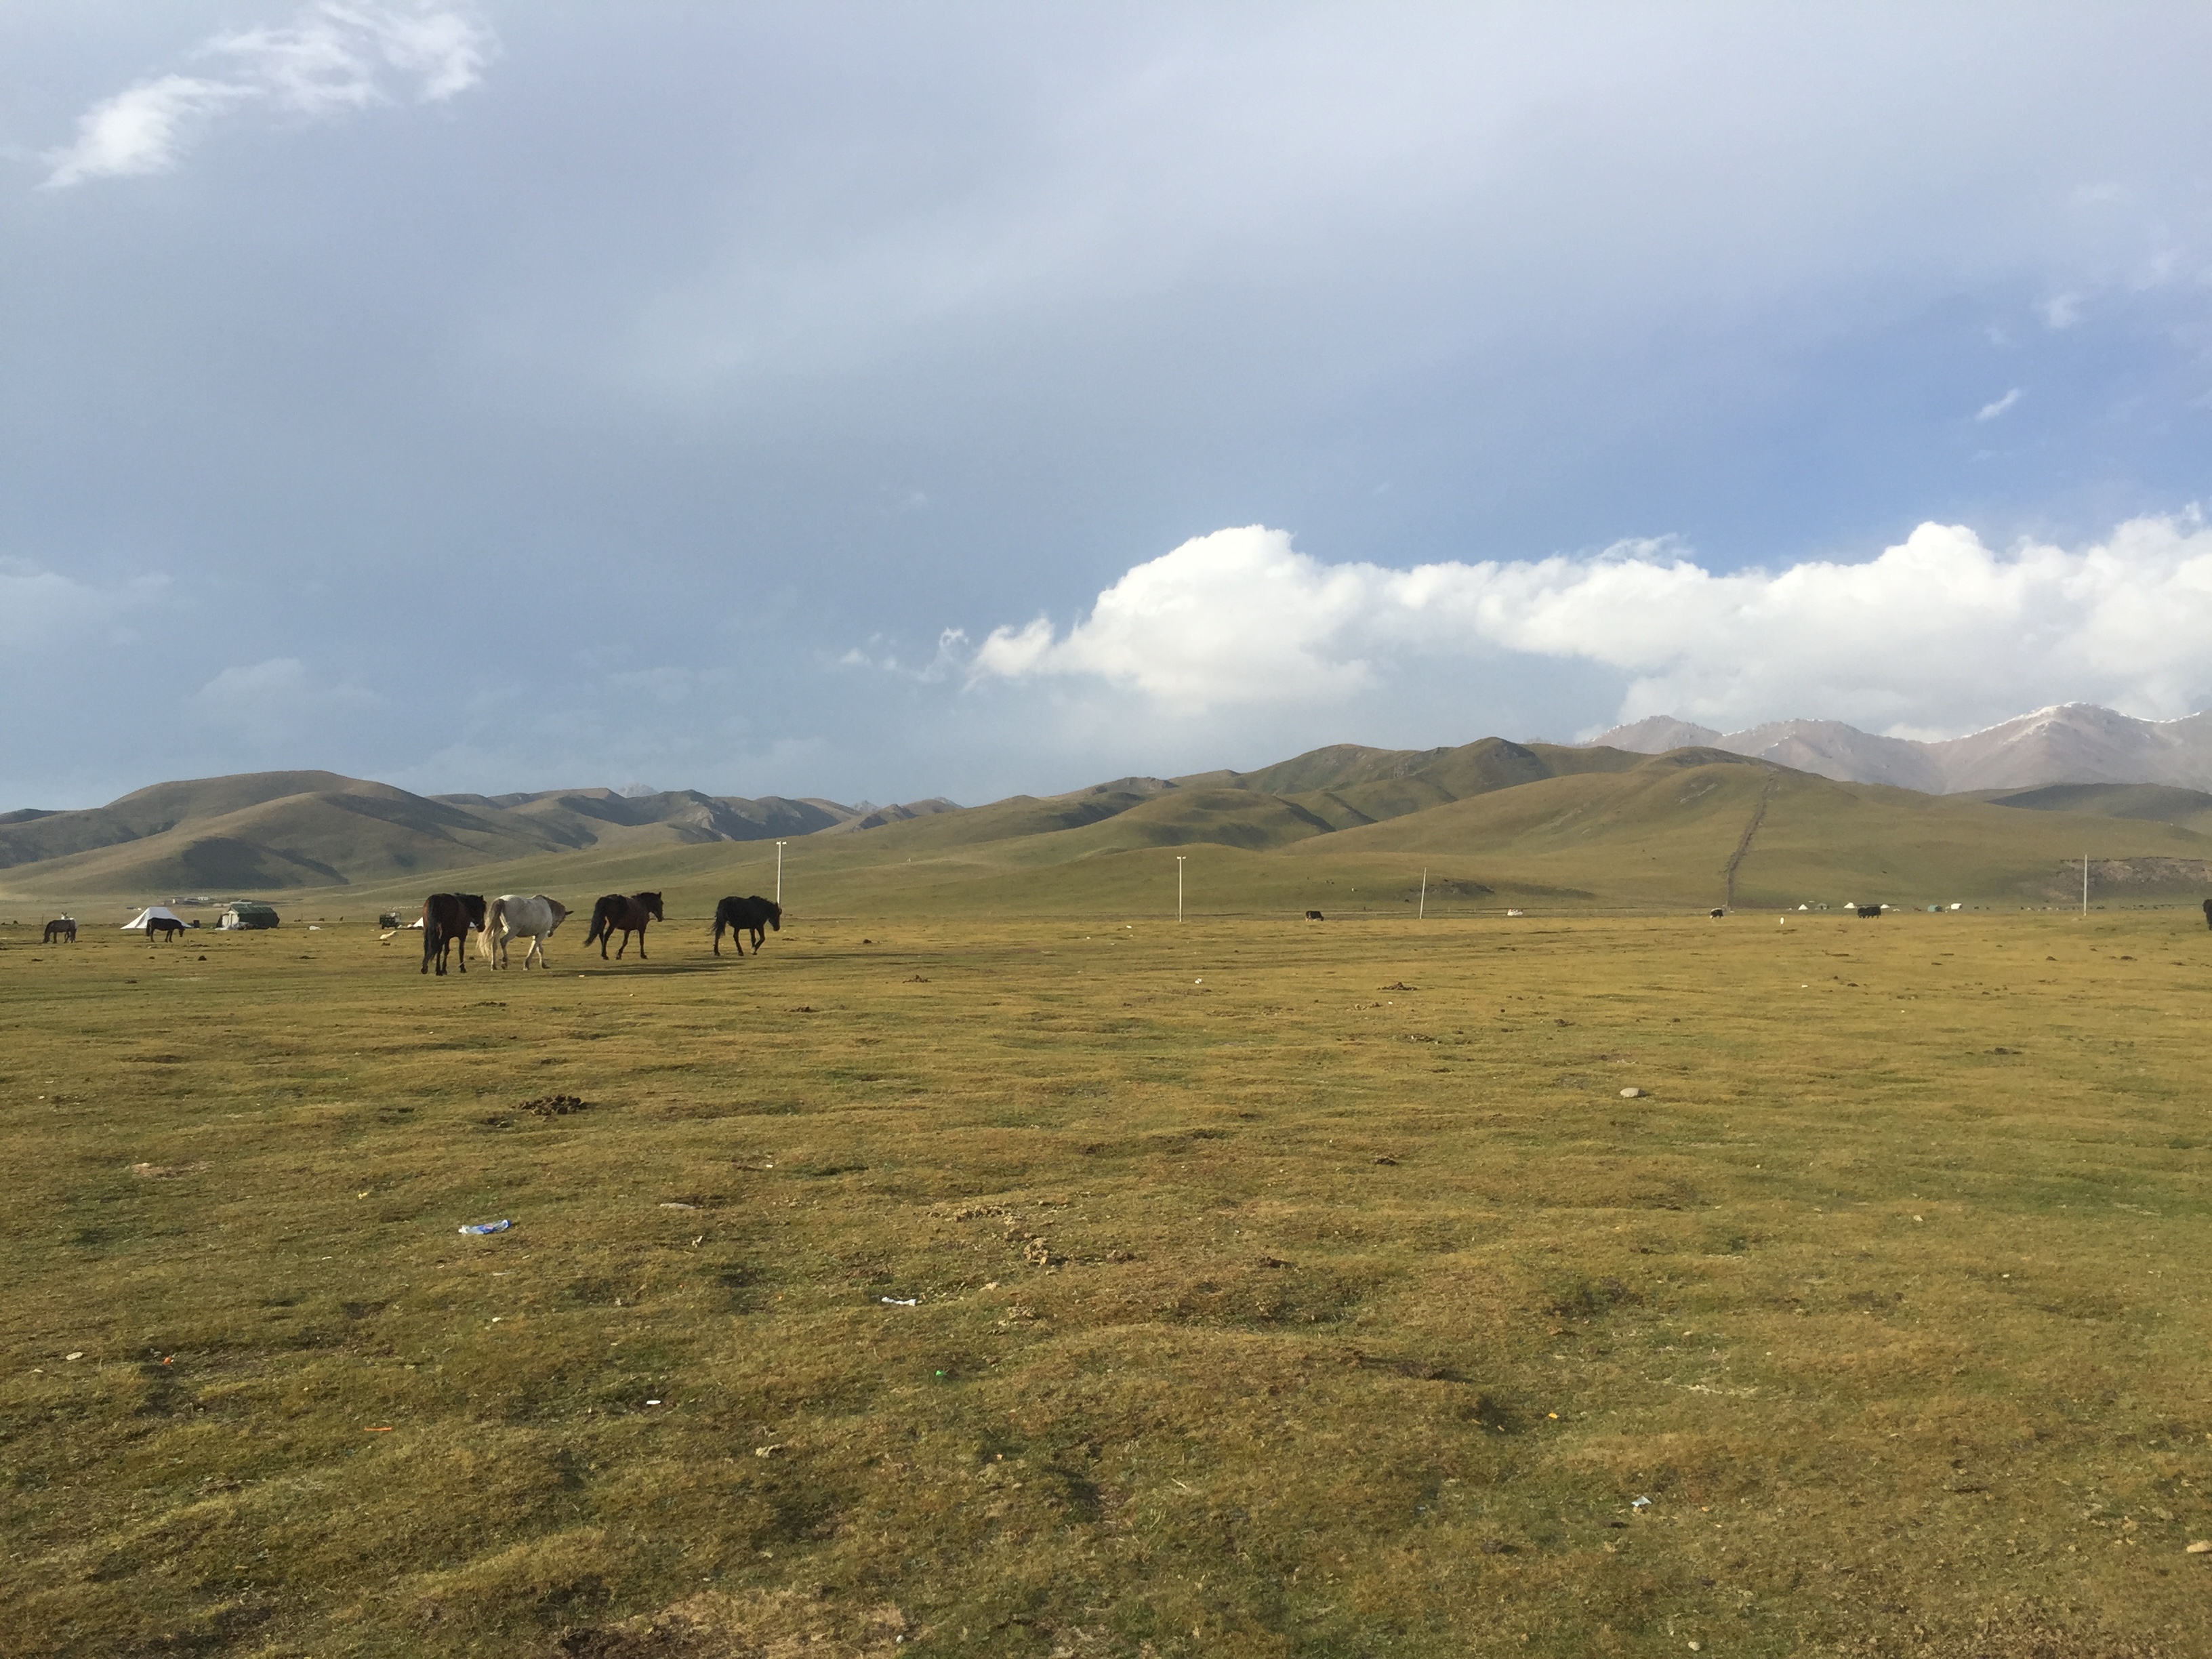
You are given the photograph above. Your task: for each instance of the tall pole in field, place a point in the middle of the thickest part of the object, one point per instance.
(1179, 858)
(2085, 881)
(778, 871)
(1423, 914)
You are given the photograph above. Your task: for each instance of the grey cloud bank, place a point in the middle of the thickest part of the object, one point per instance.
(493, 397)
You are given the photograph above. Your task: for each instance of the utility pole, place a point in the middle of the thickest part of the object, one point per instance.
(1179, 858)
(2084, 883)
(1423, 914)
(778, 871)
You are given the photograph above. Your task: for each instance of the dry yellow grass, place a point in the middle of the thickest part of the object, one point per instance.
(1278, 1290)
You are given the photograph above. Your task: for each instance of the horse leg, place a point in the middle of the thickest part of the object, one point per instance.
(640, 941)
(718, 939)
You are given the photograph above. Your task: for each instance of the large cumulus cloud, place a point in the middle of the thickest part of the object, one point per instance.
(1936, 634)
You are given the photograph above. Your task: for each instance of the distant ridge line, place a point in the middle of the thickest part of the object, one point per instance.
(2072, 743)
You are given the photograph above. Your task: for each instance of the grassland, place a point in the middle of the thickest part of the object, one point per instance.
(1278, 1289)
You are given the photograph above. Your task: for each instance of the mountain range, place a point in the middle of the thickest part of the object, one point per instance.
(2068, 742)
(1702, 821)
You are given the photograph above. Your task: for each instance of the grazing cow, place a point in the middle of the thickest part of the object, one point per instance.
(511, 914)
(751, 915)
(1313, 915)
(447, 919)
(1717, 914)
(159, 927)
(627, 914)
(1868, 911)
(64, 928)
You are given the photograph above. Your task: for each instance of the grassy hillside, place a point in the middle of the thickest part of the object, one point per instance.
(1496, 826)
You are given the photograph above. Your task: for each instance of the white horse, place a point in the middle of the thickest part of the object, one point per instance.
(510, 915)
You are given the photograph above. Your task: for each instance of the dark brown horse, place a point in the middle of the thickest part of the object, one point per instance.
(169, 927)
(624, 914)
(447, 919)
(754, 915)
(61, 928)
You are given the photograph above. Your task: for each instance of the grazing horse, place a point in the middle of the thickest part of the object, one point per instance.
(64, 928)
(1717, 914)
(746, 916)
(167, 927)
(534, 918)
(447, 919)
(626, 914)
(1313, 915)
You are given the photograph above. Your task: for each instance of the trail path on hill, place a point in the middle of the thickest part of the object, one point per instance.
(1743, 846)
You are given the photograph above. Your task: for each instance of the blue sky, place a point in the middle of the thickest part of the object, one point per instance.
(881, 401)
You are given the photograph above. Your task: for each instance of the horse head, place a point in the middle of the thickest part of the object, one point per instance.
(651, 903)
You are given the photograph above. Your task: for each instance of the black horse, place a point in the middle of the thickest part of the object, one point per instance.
(167, 927)
(622, 914)
(447, 919)
(64, 928)
(753, 915)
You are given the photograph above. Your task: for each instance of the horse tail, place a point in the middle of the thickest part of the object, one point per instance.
(487, 935)
(599, 929)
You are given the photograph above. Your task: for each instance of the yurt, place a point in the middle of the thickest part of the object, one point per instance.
(248, 914)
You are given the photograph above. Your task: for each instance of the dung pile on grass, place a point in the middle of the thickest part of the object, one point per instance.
(553, 1106)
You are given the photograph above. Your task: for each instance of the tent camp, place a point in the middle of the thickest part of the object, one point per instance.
(152, 912)
(248, 914)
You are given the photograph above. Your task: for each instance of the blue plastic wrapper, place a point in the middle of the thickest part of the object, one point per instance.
(478, 1229)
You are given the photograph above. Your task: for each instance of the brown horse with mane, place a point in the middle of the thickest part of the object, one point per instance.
(626, 914)
(447, 919)
(168, 928)
(61, 928)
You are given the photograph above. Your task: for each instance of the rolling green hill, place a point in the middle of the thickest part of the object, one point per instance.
(1489, 826)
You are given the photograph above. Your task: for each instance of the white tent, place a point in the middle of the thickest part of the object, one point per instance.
(152, 912)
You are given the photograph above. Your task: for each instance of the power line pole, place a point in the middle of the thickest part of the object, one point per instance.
(1423, 914)
(2084, 883)
(1179, 858)
(778, 871)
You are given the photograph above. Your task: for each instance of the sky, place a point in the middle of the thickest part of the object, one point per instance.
(881, 401)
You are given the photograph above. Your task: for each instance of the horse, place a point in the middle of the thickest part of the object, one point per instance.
(617, 912)
(511, 914)
(61, 928)
(1313, 915)
(745, 915)
(447, 919)
(163, 928)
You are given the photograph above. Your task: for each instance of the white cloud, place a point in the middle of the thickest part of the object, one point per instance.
(331, 58)
(2062, 310)
(44, 608)
(139, 129)
(276, 697)
(1990, 410)
(1938, 633)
